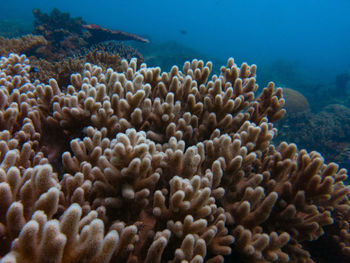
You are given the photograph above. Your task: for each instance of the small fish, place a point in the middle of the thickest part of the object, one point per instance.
(34, 69)
(183, 31)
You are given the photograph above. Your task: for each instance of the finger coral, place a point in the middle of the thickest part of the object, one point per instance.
(145, 166)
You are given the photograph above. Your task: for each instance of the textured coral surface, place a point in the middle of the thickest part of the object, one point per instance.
(145, 166)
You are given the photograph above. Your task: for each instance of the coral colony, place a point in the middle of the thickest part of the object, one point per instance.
(157, 167)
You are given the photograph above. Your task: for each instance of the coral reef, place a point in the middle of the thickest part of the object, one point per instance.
(27, 44)
(107, 55)
(327, 131)
(45, 65)
(65, 34)
(48, 25)
(145, 166)
(63, 45)
(100, 34)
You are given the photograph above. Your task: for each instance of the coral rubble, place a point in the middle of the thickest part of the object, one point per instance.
(145, 166)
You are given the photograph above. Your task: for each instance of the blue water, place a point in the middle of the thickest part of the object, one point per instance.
(314, 35)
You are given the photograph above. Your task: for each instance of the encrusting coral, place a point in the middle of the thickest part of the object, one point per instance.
(144, 166)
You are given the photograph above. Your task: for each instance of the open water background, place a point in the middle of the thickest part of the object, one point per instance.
(312, 35)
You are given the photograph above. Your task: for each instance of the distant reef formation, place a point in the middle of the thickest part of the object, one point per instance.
(66, 33)
(327, 131)
(61, 45)
(46, 64)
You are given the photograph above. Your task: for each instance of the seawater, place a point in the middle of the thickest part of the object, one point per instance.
(313, 34)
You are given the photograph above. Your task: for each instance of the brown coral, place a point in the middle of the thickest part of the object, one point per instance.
(158, 167)
(61, 70)
(295, 101)
(26, 44)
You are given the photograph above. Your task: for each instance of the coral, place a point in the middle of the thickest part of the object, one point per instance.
(145, 166)
(61, 70)
(66, 35)
(295, 101)
(108, 55)
(45, 65)
(124, 51)
(27, 44)
(332, 132)
(55, 25)
(57, 19)
(99, 34)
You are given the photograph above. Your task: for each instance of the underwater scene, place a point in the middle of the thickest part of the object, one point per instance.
(174, 131)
